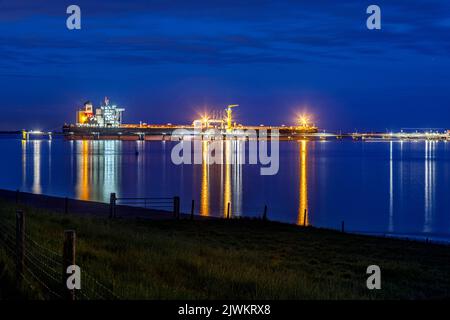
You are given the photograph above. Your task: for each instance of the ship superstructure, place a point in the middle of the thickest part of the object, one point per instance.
(107, 115)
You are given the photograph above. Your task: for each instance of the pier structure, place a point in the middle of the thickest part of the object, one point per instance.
(445, 135)
(166, 133)
(36, 134)
(105, 123)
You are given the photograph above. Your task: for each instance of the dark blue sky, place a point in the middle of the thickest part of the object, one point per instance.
(165, 60)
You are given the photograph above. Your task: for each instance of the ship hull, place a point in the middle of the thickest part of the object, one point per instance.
(129, 132)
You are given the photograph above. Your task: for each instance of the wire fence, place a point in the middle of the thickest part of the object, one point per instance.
(158, 204)
(42, 269)
(148, 203)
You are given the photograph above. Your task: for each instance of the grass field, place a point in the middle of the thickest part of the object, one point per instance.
(235, 259)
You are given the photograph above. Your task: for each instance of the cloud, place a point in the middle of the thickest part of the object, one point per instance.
(217, 32)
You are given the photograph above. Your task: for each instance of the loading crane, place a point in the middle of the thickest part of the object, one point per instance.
(229, 111)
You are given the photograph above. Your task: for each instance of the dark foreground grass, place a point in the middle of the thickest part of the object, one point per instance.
(240, 259)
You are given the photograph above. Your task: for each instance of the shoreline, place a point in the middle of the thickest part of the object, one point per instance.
(102, 209)
(66, 205)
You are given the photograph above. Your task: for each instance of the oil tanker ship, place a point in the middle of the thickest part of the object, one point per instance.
(105, 122)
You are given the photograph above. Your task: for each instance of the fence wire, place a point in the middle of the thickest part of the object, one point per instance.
(148, 203)
(43, 269)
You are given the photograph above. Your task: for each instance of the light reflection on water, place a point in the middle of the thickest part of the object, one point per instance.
(204, 192)
(430, 148)
(303, 188)
(37, 188)
(385, 186)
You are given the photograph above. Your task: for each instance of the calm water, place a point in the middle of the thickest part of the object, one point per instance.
(381, 187)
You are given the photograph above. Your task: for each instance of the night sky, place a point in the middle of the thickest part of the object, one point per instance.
(166, 61)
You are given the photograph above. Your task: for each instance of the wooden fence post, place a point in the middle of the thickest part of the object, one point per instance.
(265, 213)
(228, 210)
(192, 210)
(304, 218)
(20, 245)
(112, 205)
(66, 205)
(176, 207)
(69, 251)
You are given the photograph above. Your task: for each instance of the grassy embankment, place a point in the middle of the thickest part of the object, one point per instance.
(237, 259)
